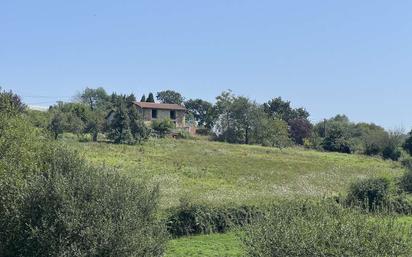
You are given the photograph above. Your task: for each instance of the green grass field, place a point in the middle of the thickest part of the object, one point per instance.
(220, 173)
(213, 245)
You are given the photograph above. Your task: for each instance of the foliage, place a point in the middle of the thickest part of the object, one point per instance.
(124, 123)
(371, 193)
(406, 181)
(57, 124)
(300, 129)
(324, 229)
(170, 97)
(11, 103)
(150, 98)
(163, 126)
(94, 98)
(408, 143)
(191, 219)
(281, 109)
(119, 127)
(143, 99)
(21, 146)
(273, 132)
(202, 111)
(39, 119)
(243, 121)
(53, 204)
(72, 209)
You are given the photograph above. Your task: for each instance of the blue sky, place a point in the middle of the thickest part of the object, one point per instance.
(352, 57)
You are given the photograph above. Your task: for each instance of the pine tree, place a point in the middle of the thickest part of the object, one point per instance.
(150, 98)
(143, 99)
(120, 131)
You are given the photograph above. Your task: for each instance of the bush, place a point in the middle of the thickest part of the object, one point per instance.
(324, 229)
(72, 209)
(163, 126)
(371, 193)
(190, 219)
(406, 181)
(203, 131)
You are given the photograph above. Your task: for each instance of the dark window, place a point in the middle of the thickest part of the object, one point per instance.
(173, 115)
(154, 114)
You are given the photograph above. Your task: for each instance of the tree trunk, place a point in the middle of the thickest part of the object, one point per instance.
(95, 136)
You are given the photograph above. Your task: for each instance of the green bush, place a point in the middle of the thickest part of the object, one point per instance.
(371, 193)
(72, 209)
(300, 229)
(163, 126)
(406, 181)
(53, 204)
(191, 219)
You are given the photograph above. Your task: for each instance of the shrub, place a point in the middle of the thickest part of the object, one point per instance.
(406, 181)
(203, 131)
(324, 229)
(191, 219)
(163, 126)
(370, 193)
(72, 209)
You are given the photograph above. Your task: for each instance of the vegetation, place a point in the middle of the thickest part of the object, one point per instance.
(213, 245)
(219, 173)
(324, 229)
(52, 203)
(170, 97)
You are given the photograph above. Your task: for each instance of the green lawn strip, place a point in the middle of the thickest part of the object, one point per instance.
(219, 245)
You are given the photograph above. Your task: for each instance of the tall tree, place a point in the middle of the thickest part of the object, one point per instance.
(202, 111)
(143, 99)
(11, 103)
(95, 98)
(150, 98)
(282, 109)
(119, 128)
(57, 124)
(170, 97)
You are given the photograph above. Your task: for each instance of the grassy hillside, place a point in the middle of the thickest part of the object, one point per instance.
(220, 173)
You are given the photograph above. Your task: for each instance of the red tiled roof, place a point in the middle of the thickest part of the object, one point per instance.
(146, 105)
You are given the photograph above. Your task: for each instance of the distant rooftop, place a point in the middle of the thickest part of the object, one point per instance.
(146, 105)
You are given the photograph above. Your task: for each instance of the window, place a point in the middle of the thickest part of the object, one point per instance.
(173, 115)
(154, 114)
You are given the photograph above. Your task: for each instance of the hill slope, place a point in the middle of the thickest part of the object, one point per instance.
(219, 173)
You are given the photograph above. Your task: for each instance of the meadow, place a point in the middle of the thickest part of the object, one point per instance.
(217, 173)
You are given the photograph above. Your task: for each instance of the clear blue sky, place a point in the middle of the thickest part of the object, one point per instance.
(352, 57)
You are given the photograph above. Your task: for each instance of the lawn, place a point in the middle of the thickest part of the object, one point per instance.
(213, 245)
(219, 173)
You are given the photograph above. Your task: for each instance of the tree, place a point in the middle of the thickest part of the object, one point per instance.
(138, 129)
(408, 144)
(300, 128)
(223, 124)
(282, 110)
(150, 98)
(119, 128)
(336, 134)
(170, 97)
(273, 132)
(95, 98)
(143, 99)
(57, 124)
(202, 111)
(10, 103)
(94, 123)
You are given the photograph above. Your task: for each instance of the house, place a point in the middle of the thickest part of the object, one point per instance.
(154, 111)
